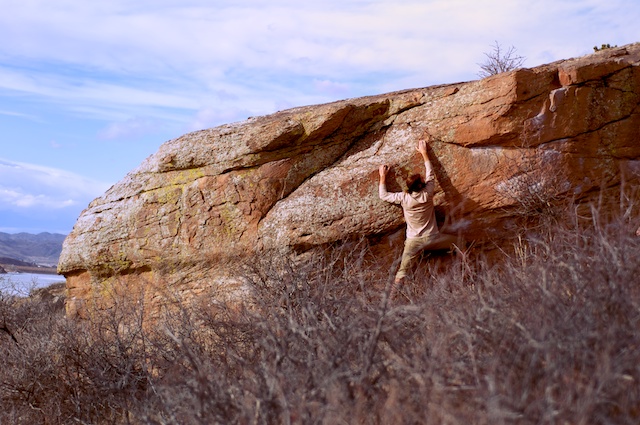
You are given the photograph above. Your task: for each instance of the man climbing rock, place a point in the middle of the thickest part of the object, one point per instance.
(419, 214)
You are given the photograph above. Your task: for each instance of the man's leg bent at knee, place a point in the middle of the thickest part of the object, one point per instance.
(412, 249)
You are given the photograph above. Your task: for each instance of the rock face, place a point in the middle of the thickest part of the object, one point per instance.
(308, 176)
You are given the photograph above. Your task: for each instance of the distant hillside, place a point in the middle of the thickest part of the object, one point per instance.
(43, 248)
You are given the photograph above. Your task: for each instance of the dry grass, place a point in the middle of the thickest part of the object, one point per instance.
(548, 334)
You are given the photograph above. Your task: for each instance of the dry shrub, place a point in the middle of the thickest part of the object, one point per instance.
(549, 334)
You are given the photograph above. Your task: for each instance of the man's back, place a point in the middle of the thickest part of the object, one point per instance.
(417, 208)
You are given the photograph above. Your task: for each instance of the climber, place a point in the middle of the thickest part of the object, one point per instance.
(417, 206)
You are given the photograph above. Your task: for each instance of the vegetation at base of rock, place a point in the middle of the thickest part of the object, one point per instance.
(543, 333)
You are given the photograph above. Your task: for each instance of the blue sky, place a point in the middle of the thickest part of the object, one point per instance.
(89, 89)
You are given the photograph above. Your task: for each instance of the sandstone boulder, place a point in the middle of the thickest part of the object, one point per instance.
(306, 177)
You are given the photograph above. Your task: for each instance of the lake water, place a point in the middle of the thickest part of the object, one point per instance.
(21, 283)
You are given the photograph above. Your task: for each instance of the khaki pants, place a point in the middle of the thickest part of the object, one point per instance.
(414, 246)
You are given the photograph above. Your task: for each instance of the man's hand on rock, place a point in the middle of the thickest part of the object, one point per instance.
(383, 170)
(422, 147)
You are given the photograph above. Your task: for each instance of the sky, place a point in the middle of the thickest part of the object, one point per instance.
(89, 89)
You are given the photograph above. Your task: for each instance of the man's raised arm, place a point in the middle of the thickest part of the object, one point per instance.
(382, 187)
(422, 148)
(393, 197)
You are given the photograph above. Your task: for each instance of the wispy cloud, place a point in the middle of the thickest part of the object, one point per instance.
(92, 90)
(181, 54)
(130, 128)
(19, 114)
(20, 199)
(209, 117)
(333, 88)
(26, 186)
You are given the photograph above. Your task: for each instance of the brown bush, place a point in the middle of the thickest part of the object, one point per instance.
(548, 334)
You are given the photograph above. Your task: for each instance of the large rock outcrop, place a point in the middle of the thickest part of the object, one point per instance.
(308, 176)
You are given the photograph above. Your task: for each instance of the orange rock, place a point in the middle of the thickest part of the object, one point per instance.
(305, 177)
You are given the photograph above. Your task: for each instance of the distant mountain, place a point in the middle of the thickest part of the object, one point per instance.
(43, 248)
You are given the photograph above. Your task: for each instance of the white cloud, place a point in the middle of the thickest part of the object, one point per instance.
(26, 186)
(86, 89)
(209, 117)
(16, 114)
(27, 200)
(139, 58)
(130, 128)
(333, 88)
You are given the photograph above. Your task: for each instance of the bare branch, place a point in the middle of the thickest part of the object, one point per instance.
(499, 61)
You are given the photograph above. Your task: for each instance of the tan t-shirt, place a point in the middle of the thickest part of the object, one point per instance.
(417, 207)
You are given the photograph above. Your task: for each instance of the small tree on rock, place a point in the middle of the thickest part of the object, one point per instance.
(499, 61)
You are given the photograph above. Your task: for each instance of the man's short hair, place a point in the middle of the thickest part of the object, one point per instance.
(415, 183)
